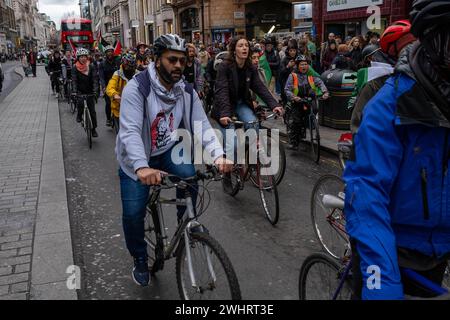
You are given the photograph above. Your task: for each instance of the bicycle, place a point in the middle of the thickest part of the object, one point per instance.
(340, 281)
(310, 123)
(190, 240)
(60, 84)
(329, 221)
(86, 120)
(266, 183)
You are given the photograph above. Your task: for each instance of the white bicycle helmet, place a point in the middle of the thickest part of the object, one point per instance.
(82, 52)
(168, 42)
(219, 59)
(107, 48)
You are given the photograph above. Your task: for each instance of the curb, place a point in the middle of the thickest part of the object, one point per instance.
(52, 248)
(16, 70)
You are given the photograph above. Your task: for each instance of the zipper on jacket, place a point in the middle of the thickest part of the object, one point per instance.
(446, 158)
(426, 210)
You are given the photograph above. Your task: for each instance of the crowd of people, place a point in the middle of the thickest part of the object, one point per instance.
(400, 125)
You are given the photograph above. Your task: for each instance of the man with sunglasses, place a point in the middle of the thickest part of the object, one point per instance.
(155, 104)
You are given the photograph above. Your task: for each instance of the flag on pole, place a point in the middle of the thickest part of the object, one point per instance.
(117, 48)
(74, 49)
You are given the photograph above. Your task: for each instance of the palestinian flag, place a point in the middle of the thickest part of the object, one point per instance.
(102, 43)
(264, 64)
(117, 48)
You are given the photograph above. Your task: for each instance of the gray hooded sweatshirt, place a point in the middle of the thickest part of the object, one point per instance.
(140, 138)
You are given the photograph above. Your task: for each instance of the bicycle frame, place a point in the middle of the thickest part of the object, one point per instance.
(183, 230)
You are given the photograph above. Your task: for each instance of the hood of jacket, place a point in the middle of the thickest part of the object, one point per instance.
(425, 103)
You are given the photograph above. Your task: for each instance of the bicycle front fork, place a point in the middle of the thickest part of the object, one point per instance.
(188, 241)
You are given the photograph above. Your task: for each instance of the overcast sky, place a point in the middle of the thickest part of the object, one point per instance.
(57, 8)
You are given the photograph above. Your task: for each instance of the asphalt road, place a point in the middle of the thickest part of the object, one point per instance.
(266, 259)
(11, 80)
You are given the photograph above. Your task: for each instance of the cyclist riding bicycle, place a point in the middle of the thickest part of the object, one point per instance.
(379, 62)
(118, 82)
(84, 81)
(300, 85)
(397, 186)
(67, 64)
(236, 78)
(154, 104)
(55, 71)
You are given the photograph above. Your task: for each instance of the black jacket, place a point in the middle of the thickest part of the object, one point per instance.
(274, 62)
(107, 70)
(226, 90)
(55, 65)
(84, 84)
(210, 73)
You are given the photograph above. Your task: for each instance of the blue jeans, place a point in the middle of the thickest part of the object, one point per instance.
(135, 195)
(244, 113)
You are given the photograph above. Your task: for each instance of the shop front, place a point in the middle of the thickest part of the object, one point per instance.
(263, 16)
(222, 35)
(189, 23)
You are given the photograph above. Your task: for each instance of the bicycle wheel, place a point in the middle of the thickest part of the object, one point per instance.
(329, 225)
(320, 277)
(268, 193)
(214, 273)
(88, 126)
(281, 162)
(152, 235)
(446, 280)
(231, 183)
(314, 138)
(73, 105)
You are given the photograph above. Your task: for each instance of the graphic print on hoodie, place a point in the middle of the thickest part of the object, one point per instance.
(161, 130)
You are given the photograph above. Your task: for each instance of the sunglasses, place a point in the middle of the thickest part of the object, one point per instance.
(174, 60)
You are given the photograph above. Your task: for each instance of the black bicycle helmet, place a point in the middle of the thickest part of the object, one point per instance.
(428, 14)
(369, 50)
(168, 42)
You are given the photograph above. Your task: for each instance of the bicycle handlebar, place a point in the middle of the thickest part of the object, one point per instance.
(241, 123)
(170, 181)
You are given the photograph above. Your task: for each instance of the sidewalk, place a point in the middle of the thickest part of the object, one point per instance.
(328, 136)
(35, 239)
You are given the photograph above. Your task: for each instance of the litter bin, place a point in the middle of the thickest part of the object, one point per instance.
(334, 112)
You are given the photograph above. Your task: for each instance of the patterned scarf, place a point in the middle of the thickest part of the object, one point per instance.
(83, 68)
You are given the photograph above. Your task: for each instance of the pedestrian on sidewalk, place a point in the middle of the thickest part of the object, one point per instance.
(32, 59)
(84, 81)
(25, 64)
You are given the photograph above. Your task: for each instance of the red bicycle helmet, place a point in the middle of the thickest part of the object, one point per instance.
(396, 37)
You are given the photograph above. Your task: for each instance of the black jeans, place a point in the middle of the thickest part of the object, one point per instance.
(296, 124)
(54, 80)
(33, 68)
(107, 107)
(91, 107)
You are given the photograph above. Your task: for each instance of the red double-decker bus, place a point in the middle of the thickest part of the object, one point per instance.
(79, 31)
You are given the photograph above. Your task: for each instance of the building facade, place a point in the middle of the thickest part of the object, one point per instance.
(219, 20)
(352, 17)
(24, 13)
(8, 30)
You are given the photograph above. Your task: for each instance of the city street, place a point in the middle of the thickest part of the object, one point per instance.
(266, 259)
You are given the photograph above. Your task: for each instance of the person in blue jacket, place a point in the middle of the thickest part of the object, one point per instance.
(397, 202)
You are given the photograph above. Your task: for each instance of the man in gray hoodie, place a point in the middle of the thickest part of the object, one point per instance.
(154, 105)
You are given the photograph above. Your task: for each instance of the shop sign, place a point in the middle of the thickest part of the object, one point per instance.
(239, 15)
(303, 11)
(335, 5)
(221, 30)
